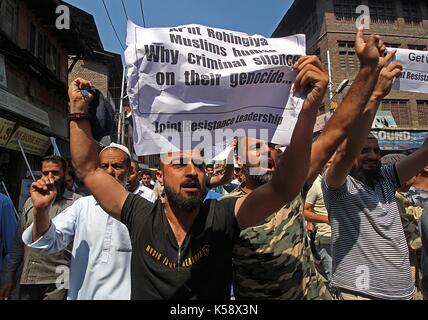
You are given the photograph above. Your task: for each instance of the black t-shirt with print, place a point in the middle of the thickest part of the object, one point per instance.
(200, 269)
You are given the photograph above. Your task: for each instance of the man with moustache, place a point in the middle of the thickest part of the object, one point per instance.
(273, 260)
(370, 252)
(39, 273)
(101, 255)
(182, 247)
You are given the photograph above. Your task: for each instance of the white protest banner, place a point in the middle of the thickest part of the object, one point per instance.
(414, 77)
(225, 154)
(195, 86)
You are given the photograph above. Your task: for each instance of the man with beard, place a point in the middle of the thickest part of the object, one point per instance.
(273, 260)
(182, 248)
(100, 268)
(39, 273)
(370, 253)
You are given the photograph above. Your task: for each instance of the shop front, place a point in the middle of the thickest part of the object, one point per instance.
(13, 169)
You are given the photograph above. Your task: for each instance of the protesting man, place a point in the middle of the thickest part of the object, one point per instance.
(100, 268)
(370, 253)
(138, 187)
(183, 247)
(274, 260)
(40, 272)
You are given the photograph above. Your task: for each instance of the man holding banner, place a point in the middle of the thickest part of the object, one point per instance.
(182, 249)
(273, 260)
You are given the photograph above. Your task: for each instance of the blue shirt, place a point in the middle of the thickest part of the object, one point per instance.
(101, 256)
(212, 195)
(8, 226)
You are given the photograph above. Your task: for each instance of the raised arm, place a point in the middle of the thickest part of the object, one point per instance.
(108, 192)
(290, 175)
(352, 105)
(413, 164)
(43, 193)
(223, 178)
(352, 146)
(227, 175)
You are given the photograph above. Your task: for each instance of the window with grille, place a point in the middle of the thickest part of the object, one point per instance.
(382, 11)
(417, 47)
(400, 110)
(345, 9)
(422, 106)
(8, 17)
(411, 11)
(348, 59)
(43, 49)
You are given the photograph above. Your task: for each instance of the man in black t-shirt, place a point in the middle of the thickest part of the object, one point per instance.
(182, 247)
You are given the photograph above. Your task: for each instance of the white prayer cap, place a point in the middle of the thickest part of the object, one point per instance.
(119, 146)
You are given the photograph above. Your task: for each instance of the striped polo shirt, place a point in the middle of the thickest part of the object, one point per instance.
(369, 249)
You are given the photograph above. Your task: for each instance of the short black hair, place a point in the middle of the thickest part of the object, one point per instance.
(56, 159)
(147, 173)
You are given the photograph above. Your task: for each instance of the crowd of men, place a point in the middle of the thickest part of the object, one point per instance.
(329, 219)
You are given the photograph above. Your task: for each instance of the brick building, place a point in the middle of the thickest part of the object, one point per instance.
(33, 85)
(329, 26)
(103, 68)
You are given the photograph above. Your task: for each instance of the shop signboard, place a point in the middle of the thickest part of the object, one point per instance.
(6, 128)
(32, 142)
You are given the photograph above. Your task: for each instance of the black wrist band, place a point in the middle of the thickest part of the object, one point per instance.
(78, 116)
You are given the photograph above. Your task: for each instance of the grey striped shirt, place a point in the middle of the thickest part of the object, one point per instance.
(369, 249)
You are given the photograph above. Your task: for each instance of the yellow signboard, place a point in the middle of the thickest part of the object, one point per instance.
(32, 142)
(6, 128)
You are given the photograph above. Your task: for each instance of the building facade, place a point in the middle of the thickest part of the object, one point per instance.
(330, 27)
(33, 86)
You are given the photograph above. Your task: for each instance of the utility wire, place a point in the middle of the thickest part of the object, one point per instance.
(124, 9)
(112, 25)
(142, 13)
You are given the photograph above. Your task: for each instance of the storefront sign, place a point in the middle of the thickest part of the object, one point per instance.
(32, 142)
(6, 128)
(399, 140)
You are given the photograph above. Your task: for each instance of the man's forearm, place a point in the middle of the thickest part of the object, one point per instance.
(293, 166)
(413, 164)
(41, 222)
(341, 123)
(315, 218)
(83, 150)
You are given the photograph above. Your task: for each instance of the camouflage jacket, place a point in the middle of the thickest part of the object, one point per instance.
(274, 260)
(411, 209)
